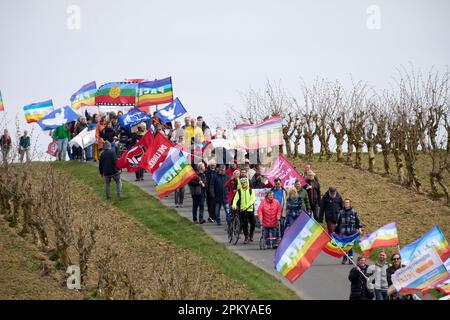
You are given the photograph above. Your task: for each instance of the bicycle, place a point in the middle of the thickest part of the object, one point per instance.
(234, 228)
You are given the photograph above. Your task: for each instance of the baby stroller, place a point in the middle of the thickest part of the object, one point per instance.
(268, 241)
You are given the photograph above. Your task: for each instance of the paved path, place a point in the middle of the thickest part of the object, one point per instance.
(326, 279)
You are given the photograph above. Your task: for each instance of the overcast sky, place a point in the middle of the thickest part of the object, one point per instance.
(212, 49)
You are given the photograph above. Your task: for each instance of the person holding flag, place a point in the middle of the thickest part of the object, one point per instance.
(347, 224)
(358, 280)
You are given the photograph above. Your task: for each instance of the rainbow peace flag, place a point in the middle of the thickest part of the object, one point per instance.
(174, 172)
(116, 94)
(1, 102)
(84, 97)
(36, 111)
(433, 238)
(384, 237)
(264, 134)
(151, 93)
(337, 242)
(300, 246)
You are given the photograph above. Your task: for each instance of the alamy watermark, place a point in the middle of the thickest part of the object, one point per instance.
(373, 21)
(73, 21)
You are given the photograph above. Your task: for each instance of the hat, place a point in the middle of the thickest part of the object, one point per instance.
(332, 189)
(107, 145)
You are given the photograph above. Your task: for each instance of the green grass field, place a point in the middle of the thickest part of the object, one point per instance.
(170, 225)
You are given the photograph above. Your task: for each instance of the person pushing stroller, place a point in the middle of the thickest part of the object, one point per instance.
(269, 213)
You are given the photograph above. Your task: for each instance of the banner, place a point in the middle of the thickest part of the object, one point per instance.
(432, 239)
(384, 237)
(157, 153)
(57, 118)
(282, 169)
(116, 94)
(224, 143)
(156, 92)
(424, 272)
(260, 194)
(132, 118)
(2, 108)
(52, 148)
(84, 139)
(265, 134)
(172, 111)
(300, 246)
(84, 97)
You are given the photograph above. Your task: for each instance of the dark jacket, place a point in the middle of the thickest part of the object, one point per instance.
(358, 288)
(347, 222)
(107, 164)
(209, 173)
(108, 134)
(79, 127)
(5, 142)
(195, 187)
(331, 207)
(218, 191)
(256, 182)
(24, 141)
(313, 192)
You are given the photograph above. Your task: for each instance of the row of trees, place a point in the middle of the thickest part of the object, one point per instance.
(412, 117)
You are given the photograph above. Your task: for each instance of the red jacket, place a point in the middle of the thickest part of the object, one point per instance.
(269, 212)
(232, 189)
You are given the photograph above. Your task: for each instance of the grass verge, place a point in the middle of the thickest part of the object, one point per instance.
(170, 225)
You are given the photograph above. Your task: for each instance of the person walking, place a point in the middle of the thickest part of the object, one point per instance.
(358, 281)
(5, 144)
(80, 153)
(303, 195)
(378, 275)
(347, 224)
(24, 146)
(330, 205)
(269, 213)
(246, 198)
(312, 188)
(108, 170)
(293, 207)
(210, 173)
(62, 136)
(197, 187)
(219, 193)
(281, 195)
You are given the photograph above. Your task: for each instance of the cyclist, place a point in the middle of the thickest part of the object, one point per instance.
(246, 197)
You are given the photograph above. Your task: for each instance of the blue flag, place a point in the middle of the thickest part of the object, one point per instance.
(172, 111)
(57, 118)
(133, 118)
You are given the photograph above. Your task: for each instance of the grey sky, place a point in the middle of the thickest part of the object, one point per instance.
(213, 50)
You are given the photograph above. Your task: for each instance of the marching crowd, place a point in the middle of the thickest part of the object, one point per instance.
(227, 186)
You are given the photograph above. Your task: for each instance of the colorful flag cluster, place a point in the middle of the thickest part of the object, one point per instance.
(300, 246)
(84, 97)
(174, 172)
(172, 111)
(36, 111)
(132, 118)
(340, 244)
(426, 271)
(433, 238)
(2, 107)
(156, 92)
(157, 153)
(383, 237)
(265, 134)
(116, 94)
(131, 160)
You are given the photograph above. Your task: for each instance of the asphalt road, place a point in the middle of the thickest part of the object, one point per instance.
(326, 279)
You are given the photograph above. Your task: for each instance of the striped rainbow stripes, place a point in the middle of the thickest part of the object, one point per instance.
(299, 247)
(428, 281)
(337, 242)
(384, 237)
(36, 111)
(2, 107)
(265, 134)
(174, 172)
(151, 93)
(84, 97)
